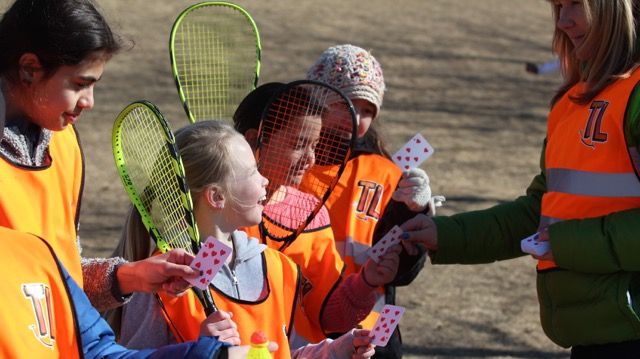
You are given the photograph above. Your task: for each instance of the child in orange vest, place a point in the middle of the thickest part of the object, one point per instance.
(384, 194)
(53, 54)
(258, 287)
(334, 303)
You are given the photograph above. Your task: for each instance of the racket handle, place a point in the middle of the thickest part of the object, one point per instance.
(204, 296)
(209, 305)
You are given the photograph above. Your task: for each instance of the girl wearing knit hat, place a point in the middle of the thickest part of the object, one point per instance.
(372, 188)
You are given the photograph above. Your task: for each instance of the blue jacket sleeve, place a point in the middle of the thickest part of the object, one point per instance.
(98, 339)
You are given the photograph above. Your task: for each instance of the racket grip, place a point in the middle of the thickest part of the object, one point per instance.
(204, 296)
(209, 305)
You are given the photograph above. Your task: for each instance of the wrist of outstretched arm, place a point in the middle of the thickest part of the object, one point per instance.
(126, 278)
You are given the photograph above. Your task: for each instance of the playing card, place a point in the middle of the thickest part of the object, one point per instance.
(382, 246)
(386, 324)
(413, 153)
(208, 261)
(533, 245)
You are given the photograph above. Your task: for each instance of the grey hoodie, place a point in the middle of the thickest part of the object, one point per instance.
(142, 316)
(144, 326)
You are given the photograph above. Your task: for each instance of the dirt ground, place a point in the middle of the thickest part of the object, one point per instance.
(455, 73)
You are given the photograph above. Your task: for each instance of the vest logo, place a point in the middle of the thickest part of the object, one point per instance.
(369, 201)
(592, 133)
(40, 297)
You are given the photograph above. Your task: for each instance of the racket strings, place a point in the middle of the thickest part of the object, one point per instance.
(215, 56)
(303, 130)
(152, 170)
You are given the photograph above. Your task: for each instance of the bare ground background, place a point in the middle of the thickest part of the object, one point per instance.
(454, 71)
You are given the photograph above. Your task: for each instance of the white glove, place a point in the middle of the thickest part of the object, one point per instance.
(414, 190)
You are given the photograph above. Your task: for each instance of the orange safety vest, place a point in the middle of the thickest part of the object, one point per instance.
(273, 315)
(355, 205)
(588, 165)
(315, 252)
(37, 314)
(45, 201)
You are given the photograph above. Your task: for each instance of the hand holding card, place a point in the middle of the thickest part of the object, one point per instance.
(385, 325)
(413, 153)
(210, 258)
(533, 245)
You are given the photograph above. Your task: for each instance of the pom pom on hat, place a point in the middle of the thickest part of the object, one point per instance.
(353, 70)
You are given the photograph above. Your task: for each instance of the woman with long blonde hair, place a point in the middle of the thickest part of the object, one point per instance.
(585, 203)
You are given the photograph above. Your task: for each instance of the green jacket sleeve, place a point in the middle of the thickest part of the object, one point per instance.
(605, 244)
(492, 234)
(598, 245)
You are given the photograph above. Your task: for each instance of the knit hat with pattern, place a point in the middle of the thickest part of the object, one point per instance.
(352, 70)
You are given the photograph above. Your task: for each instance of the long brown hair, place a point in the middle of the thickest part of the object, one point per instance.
(612, 41)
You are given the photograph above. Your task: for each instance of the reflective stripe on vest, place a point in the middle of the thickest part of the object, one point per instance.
(46, 201)
(36, 310)
(590, 171)
(273, 315)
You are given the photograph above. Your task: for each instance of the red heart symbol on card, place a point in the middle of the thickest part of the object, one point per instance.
(383, 339)
(416, 159)
(373, 337)
(214, 253)
(384, 325)
(197, 265)
(393, 321)
(407, 158)
(383, 241)
(222, 252)
(209, 271)
(397, 312)
(374, 250)
(203, 280)
(399, 158)
(387, 331)
(406, 167)
(377, 328)
(408, 149)
(216, 261)
(205, 255)
(210, 245)
(426, 149)
(382, 319)
(418, 140)
(386, 311)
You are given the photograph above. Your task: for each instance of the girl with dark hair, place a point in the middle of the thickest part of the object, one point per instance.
(53, 54)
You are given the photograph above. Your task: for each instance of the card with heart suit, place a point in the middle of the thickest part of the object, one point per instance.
(386, 324)
(533, 245)
(413, 153)
(382, 246)
(208, 261)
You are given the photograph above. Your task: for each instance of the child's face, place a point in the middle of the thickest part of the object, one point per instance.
(57, 101)
(572, 20)
(289, 153)
(248, 188)
(365, 111)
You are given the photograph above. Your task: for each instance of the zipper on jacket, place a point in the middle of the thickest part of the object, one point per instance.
(235, 283)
